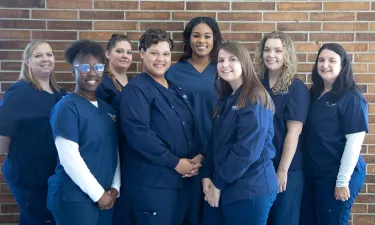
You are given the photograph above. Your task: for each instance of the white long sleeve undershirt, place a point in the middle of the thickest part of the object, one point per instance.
(349, 158)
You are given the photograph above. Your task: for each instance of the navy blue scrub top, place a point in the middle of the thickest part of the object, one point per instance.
(159, 129)
(24, 117)
(240, 162)
(94, 130)
(289, 105)
(200, 91)
(326, 126)
(108, 92)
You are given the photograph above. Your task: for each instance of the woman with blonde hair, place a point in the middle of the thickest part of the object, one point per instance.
(25, 133)
(277, 66)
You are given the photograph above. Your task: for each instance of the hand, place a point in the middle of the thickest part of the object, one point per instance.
(213, 196)
(197, 162)
(113, 193)
(105, 202)
(282, 178)
(197, 159)
(342, 193)
(206, 183)
(184, 166)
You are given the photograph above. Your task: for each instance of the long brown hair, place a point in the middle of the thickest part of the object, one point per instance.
(115, 38)
(290, 61)
(26, 73)
(252, 89)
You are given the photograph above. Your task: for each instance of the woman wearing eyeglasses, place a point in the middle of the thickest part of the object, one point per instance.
(87, 178)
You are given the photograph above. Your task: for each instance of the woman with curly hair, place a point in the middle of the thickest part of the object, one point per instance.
(277, 67)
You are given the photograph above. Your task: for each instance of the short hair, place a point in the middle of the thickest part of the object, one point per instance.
(153, 37)
(82, 48)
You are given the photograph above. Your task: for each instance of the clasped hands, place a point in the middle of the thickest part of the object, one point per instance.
(108, 199)
(212, 194)
(189, 167)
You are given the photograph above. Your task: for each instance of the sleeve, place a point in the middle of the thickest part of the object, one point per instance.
(76, 168)
(355, 118)
(349, 158)
(64, 121)
(208, 161)
(135, 122)
(10, 109)
(253, 122)
(297, 106)
(116, 183)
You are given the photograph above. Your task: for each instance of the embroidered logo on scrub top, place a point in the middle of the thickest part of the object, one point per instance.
(234, 107)
(283, 92)
(113, 117)
(185, 97)
(330, 104)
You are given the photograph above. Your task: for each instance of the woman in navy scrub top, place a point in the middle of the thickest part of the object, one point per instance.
(239, 177)
(334, 132)
(277, 62)
(158, 123)
(87, 180)
(25, 133)
(119, 58)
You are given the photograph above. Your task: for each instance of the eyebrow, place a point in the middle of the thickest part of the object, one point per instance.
(204, 33)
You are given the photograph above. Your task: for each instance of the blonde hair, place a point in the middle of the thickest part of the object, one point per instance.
(26, 73)
(290, 61)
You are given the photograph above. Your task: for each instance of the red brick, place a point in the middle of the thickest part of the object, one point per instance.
(162, 25)
(363, 89)
(307, 47)
(4, 188)
(54, 14)
(190, 15)
(253, 6)
(359, 68)
(97, 36)
(6, 198)
(285, 16)
(349, 6)
(9, 218)
(329, 16)
(372, 47)
(365, 78)
(10, 66)
(366, 16)
(371, 208)
(162, 5)
(300, 6)
(69, 4)
(371, 188)
(298, 36)
(305, 67)
(370, 169)
(9, 76)
(55, 35)
(301, 57)
(59, 45)
(251, 46)
(364, 219)
(242, 36)
(239, 16)
(69, 87)
(371, 68)
(14, 13)
(115, 25)
(15, 34)
(135, 36)
(23, 24)
(101, 15)
(355, 47)
(224, 26)
(364, 57)
(9, 208)
(177, 36)
(69, 25)
(359, 208)
(115, 5)
(207, 5)
(345, 26)
(334, 37)
(365, 37)
(147, 15)
(10, 55)
(370, 139)
(299, 26)
(264, 27)
(62, 76)
(62, 66)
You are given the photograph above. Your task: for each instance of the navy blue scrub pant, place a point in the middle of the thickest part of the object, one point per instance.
(253, 211)
(33, 205)
(286, 209)
(319, 205)
(141, 205)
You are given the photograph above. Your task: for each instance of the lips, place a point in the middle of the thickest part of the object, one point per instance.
(159, 65)
(92, 82)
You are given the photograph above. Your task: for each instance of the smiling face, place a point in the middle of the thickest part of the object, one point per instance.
(41, 61)
(156, 59)
(273, 55)
(229, 68)
(329, 66)
(88, 82)
(120, 56)
(201, 40)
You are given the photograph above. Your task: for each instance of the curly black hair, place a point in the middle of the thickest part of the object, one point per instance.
(153, 37)
(81, 48)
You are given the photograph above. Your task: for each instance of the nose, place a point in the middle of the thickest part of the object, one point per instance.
(45, 57)
(225, 63)
(91, 72)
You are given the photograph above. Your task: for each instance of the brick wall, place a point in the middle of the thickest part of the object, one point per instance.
(310, 24)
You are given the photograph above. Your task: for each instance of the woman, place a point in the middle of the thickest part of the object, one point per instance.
(195, 72)
(119, 58)
(239, 177)
(277, 62)
(87, 178)
(25, 134)
(159, 128)
(334, 132)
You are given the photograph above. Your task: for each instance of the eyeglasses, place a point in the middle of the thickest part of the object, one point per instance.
(85, 68)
